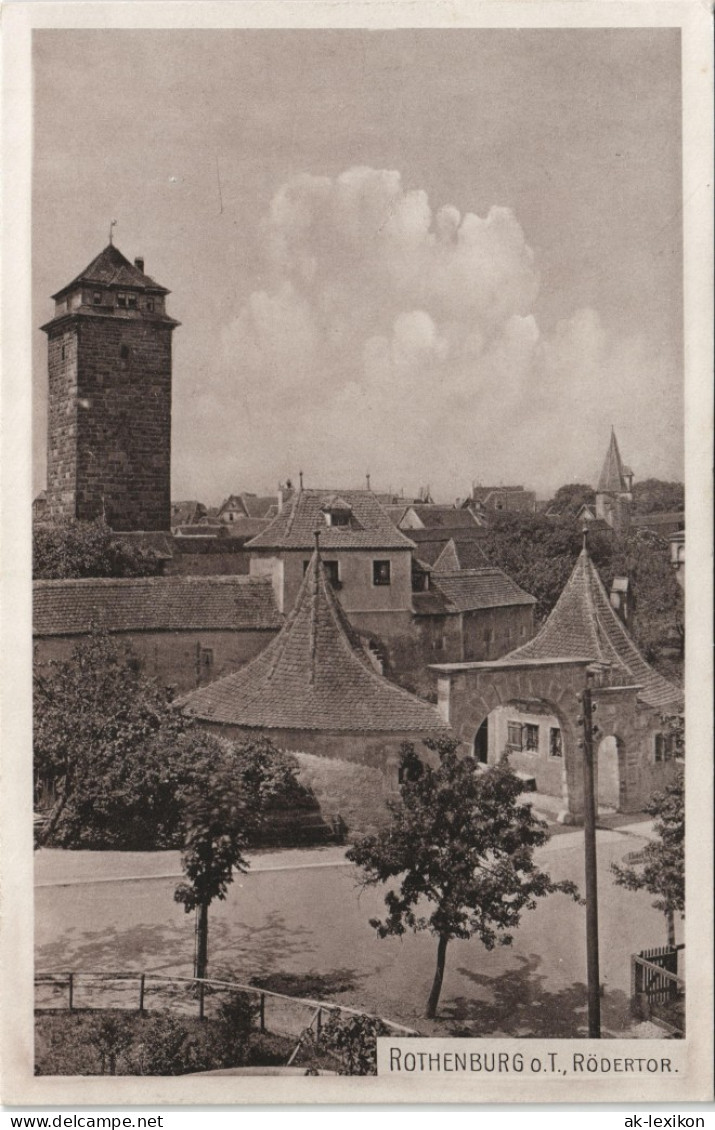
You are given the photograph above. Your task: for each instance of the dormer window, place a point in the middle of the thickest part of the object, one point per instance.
(338, 512)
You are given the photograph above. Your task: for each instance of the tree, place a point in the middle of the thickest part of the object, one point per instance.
(86, 549)
(224, 804)
(539, 553)
(570, 498)
(654, 496)
(100, 734)
(461, 842)
(660, 868)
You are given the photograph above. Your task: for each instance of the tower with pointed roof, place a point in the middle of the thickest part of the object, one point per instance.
(614, 491)
(109, 412)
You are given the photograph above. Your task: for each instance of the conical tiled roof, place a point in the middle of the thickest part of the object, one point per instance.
(583, 623)
(313, 676)
(612, 479)
(110, 267)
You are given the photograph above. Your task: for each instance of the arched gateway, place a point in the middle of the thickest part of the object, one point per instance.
(583, 639)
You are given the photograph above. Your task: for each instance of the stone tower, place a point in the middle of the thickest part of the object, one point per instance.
(109, 414)
(614, 493)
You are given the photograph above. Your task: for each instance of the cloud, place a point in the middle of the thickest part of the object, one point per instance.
(397, 338)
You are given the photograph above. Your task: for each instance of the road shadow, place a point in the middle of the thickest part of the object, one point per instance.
(248, 951)
(316, 986)
(517, 1003)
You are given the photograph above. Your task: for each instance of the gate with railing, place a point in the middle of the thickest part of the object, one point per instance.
(657, 991)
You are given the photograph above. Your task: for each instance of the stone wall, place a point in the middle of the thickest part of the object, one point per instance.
(351, 776)
(176, 659)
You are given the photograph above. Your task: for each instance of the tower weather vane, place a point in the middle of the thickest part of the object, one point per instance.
(111, 236)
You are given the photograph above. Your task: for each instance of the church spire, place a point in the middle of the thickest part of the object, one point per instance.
(612, 480)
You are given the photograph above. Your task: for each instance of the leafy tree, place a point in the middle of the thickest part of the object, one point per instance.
(660, 869)
(653, 496)
(461, 843)
(100, 734)
(570, 498)
(86, 549)
(224, 804)
(539, 553)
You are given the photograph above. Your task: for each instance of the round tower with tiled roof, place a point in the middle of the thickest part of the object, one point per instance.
(109, 413)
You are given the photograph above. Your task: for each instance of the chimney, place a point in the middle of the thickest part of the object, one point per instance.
(139, 264)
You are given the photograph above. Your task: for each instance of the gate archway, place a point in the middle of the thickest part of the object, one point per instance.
(468, 693)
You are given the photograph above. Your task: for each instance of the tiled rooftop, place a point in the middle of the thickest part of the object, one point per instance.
(468, 590)
(583, 623)
(295, 526)
(154, 604)
(313, 676)
(111, 268)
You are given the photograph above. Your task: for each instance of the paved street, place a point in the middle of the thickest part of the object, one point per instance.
(302, 912)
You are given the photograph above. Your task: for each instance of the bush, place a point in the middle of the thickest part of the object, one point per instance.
(352, 1041)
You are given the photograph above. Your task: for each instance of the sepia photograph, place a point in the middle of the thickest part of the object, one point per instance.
(361, 407)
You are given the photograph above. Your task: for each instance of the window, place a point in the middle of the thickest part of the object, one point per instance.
(488, 635)
(206, 664)
(514, 735)
(338, 518)
(122, 300)
(332, 572)
(531, 738)
(556, 745)
(97, 298)
(132, 301)
(150, 304)
(381, 572)
(124, 352)
(665, 747)
(64, 353)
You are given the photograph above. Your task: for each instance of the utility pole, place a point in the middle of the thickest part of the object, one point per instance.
(589, 832)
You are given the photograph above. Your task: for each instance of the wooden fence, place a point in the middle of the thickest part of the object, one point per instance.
(143, 992)
(657, 992)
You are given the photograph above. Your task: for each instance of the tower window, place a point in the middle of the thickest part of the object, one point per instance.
(122, 301)
(132, 301)
(64, 353)
(150, 304)
(124, 352)
(97, 298)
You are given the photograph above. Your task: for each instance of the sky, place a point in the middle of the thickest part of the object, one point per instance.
(437, 256)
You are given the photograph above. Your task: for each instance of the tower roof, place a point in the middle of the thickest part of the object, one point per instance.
(111, 268)
(313, 676)
(583, 623)
(612, 480)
